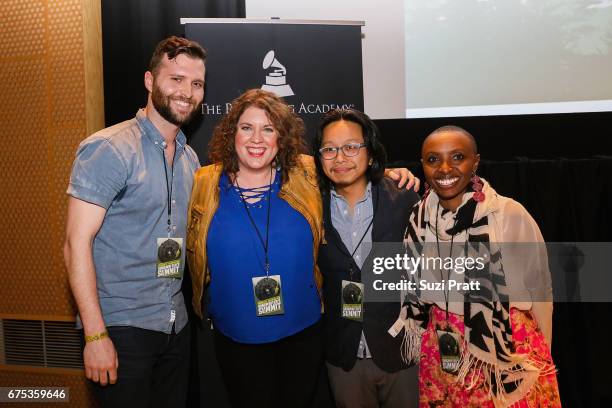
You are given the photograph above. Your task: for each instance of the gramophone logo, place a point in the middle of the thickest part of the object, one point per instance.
(276, 80)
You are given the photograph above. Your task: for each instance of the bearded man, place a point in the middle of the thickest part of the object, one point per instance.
(126, 225)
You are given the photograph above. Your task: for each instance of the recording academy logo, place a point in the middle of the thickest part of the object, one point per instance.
(276, 79)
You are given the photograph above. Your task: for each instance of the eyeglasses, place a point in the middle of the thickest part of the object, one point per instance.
(348, 150)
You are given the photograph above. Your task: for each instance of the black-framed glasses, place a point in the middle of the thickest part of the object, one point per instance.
(348, 150)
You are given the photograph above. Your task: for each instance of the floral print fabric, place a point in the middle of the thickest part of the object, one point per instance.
(440, 389)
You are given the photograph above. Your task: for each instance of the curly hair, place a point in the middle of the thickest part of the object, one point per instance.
(288, 125)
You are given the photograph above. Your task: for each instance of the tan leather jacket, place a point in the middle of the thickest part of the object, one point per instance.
(300, 191)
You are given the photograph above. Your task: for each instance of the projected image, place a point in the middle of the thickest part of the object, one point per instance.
(480, 57)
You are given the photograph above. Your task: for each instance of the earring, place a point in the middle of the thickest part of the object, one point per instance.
(478, 196)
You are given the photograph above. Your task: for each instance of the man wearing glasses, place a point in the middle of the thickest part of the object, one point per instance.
(360, 208)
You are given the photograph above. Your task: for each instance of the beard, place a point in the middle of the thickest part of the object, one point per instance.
(162, 102)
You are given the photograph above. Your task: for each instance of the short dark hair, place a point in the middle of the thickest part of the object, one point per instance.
(371, 137)
(174, 46)
(458, 129)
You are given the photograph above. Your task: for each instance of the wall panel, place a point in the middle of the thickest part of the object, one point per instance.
(50, 99)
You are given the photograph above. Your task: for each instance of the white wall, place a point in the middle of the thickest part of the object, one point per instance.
(500, 57)
(383, 43)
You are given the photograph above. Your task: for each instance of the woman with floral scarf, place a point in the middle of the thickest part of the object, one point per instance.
(483, 340)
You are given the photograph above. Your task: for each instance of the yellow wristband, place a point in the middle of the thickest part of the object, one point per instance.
(95, 337)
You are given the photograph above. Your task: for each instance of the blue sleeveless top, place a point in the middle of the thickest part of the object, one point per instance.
(236, 255)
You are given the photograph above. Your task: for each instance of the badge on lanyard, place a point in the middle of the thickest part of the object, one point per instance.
(268, 295)
(450, 354)
(352, 300)
(169, 251)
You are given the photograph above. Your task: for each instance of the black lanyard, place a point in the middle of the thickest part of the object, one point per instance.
(246, 208)
(448, 271)
(351, 260)
(169, 188)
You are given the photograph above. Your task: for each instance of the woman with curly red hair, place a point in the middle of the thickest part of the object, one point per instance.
(252, 241)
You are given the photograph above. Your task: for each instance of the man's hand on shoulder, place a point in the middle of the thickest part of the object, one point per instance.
(403, 176)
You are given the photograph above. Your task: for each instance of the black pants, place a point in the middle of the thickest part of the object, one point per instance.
(153, 369)
(279, 374)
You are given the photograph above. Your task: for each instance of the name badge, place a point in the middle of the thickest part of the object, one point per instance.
(169, 251)
(450, 355)
(352, 300)
(268, 296)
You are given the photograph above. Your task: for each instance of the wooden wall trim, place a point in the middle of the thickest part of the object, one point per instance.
(92, 49)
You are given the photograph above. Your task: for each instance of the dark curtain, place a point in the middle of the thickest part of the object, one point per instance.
(571, 200)
(571, 135)
(130, 31)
